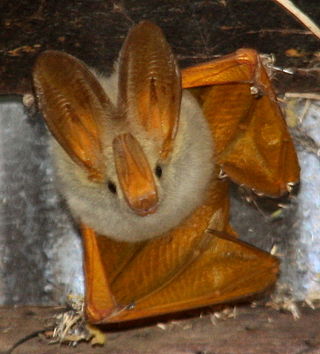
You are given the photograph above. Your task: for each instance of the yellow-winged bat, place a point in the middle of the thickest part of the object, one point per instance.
(138, 158)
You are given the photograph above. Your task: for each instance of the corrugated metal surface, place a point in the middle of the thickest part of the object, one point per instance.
(40, 251)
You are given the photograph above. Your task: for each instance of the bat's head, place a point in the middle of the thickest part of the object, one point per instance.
(134, 154)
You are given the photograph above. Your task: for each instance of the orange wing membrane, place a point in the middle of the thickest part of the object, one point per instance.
(195, 265)
(252, 143)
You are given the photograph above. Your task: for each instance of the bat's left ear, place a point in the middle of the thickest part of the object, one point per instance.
(150, 84)
(74, 105)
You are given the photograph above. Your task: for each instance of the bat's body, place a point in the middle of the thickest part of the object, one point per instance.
(138, 159)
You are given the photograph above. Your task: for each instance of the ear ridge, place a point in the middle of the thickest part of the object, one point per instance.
(74, 105)
(150, 83)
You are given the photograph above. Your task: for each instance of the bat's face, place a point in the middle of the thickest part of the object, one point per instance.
(134, 154)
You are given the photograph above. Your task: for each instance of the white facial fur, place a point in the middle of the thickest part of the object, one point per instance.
(181, 187)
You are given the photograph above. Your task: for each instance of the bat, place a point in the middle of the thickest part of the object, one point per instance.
(139, 157)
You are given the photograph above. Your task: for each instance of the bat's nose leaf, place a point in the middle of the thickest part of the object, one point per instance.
(135, 175)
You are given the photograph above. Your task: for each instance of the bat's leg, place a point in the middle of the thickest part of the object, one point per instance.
(98, 298)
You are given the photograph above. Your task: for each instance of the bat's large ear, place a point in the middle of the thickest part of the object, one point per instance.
(150, 84)
(73, 104)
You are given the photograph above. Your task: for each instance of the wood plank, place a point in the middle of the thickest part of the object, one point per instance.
(258, 330)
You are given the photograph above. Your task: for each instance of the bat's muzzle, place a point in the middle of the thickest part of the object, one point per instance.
(135, 175)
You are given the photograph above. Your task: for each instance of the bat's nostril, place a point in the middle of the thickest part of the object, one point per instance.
(145, 206)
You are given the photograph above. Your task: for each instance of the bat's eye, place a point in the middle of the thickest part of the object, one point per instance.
(112, 187)
(158, 171)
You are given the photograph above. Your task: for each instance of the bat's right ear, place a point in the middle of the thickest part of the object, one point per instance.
(150, 84)
(73, 104)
